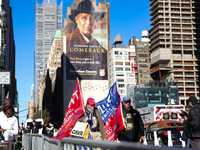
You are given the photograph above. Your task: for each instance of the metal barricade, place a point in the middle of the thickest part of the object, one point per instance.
(7, 143)
(3, 147)
(73, 143)
(41, 142)
(37, 141)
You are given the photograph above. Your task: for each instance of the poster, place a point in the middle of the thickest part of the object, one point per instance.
(86, 41)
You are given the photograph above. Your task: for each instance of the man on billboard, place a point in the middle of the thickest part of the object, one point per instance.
(86, 55)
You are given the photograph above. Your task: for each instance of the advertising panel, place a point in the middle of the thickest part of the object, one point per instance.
(86, 41)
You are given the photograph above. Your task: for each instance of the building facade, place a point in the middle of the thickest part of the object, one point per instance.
(122, 65)
(54, 60)
(143, 60)
(48, 18)
(9, 50)
(175, 44)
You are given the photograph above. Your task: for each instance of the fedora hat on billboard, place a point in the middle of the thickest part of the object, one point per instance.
(85, 7)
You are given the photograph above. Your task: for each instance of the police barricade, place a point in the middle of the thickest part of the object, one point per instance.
(6, 143)
(79, 143)
(51, 144)
(41, 142)
(3, 147)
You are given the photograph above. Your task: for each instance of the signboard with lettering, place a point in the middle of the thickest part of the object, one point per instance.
(87, 41)
(5, 77)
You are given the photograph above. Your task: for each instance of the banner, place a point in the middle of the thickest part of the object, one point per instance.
(74, 111)
(86, 41)
(111, 112)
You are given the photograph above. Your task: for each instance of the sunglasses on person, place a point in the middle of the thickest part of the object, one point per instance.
(127, 102)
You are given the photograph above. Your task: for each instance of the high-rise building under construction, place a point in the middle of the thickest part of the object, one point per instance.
(175, 44)
(48, 18)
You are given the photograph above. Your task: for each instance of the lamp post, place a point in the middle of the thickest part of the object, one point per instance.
(3, 27)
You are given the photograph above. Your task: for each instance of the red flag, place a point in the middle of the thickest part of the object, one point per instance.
(74, 111)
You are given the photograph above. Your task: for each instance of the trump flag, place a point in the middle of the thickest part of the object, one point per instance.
(111, 112)
(74, 111)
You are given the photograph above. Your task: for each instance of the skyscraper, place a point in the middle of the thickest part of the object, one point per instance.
(175, 44)
(9, 51)
(48, 18)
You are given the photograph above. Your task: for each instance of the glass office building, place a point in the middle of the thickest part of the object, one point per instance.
(145, 97)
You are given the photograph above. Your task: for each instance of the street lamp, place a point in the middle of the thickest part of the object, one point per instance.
(3, 27)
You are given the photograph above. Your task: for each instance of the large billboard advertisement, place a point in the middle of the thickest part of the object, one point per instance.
(86, 41)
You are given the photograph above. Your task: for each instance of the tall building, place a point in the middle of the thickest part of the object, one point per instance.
(122, 65)
(48, 18)
(9, 50)
(175, 44)
(143, 61)
(54, 60)
(30, 107)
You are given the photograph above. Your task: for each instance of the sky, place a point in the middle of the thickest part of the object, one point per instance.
(127, 18)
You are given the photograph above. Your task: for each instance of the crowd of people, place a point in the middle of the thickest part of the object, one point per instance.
(133, 131)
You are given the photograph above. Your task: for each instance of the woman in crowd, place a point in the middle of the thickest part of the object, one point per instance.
(8, 122)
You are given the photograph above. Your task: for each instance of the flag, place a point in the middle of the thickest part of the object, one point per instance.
(111, 111)
(74, 111)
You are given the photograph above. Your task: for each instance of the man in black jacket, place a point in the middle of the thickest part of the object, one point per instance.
(193, 122)
(134, 130)
(34, 128)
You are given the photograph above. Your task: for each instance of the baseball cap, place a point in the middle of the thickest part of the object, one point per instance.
(91, 101)
(126, 99)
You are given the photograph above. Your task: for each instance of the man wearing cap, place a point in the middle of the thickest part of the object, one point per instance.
(82, 44)
(193, 122)
(93, 115)
(134, 130)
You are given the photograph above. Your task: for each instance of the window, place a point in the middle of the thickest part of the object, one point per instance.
(121, 85)
(142, 55)
(120, 80)
(153, 126)
(127, 69)
(127, 63)
(119, 63)
(118, 68)
(129, 74)
(174, 124)
(120, 75)
(141, 45)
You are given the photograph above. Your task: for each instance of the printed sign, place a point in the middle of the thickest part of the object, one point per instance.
(86, 41)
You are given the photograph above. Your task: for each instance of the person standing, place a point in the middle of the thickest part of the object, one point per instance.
(92, 114)
(193, 122)
(134, 127)
(34, 128)
(50, 129)
(8, 122)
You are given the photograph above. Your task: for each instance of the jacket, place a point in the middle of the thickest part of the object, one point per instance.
(35, 129)
(93, 55)
(193, 121)
(101, 124)
(138, 126)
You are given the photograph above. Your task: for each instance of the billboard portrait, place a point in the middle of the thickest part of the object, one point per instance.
(86, 41)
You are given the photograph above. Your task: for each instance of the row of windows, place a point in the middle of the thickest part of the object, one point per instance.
(121, 69)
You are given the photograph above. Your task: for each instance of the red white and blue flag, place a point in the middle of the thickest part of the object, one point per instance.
(111, 112)
(74, 111)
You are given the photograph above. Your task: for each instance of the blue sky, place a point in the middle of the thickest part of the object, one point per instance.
(128, 18)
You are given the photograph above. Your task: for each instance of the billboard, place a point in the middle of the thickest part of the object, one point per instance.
(86, 41)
